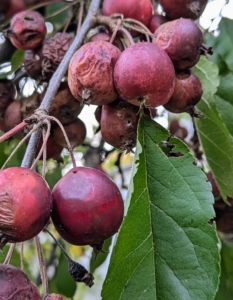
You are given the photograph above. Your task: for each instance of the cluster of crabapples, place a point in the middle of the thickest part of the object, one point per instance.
(143, 66)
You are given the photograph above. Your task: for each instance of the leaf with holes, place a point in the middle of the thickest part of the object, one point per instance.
(166, 248)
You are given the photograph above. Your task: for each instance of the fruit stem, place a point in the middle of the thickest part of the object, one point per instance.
(80, 16)
(77, 271)
(43, 274)
(13, 131)
(9, 254)
(66, 138)
(43, 145)
(21, 256)
(55, 81)
(127, 35)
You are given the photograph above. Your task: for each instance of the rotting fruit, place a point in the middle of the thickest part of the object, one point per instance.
(88, 207)
(119, 121)
(27, 30)
(176, 9)
(90, 73)
(25, 204)
(182, 40)
(76, 133)
(144, 75)
(14, 284)
(187, 93)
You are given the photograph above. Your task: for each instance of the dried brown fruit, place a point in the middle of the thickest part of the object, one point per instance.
(7, 94)
(90, 74)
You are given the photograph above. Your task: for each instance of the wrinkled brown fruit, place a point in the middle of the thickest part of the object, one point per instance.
(119, 124)
(13, 117)
(76, 133)
(90, 74)
(182, 40)
(15, 285)
(64, 107)
(7, 94)
(187, 93)
(190, 9)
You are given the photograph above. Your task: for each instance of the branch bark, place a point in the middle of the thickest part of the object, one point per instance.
(55, 81)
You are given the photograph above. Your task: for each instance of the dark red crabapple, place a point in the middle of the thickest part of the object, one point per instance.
(90, 74)
(156, 21)
(25, 204)
(187, 93)
(118, 124)
(98, 113)
(141, 10)
(76, 133)
(182, 40)
(88, 207)
(190, 9)
(27, 30)
(104, 36)
(15, 284)
(53, 149)
(144, 74)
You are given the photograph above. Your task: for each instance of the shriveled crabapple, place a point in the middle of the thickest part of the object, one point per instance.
(182, 40)
(7, 94)
(15, 284)
(141, 11)
(27, 30)
(75, 131)
(25, 204)
(88, 207)
(64, 107)
(90, 74)
(144, 74)
(187, 93)
(191, 9)
(118, 124)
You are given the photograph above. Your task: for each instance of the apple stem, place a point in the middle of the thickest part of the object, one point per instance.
(43, 274)
(13, 131)
(80, 16)
(66, 138)
(21, 256)
(127, 35)
(9, 254)
(43, 146)
(119, 21)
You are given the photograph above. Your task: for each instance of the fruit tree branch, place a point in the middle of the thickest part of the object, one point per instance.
(57, 77)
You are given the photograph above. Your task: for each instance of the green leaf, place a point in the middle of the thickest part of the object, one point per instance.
(165, 249)
(64, 282)
(17, 59)
(223, 43)
(225, 290)
(215, 138)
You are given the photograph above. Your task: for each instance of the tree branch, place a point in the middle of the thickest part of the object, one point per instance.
(55, 81)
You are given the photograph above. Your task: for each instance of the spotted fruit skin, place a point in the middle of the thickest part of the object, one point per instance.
(118, 124)
(27, 30)
(191, 9)
(90, 73)
(187, 93)
(144, 74)
(14, 284)
(25, 204)
(182, 40)
(88, 207)
(141, 11)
